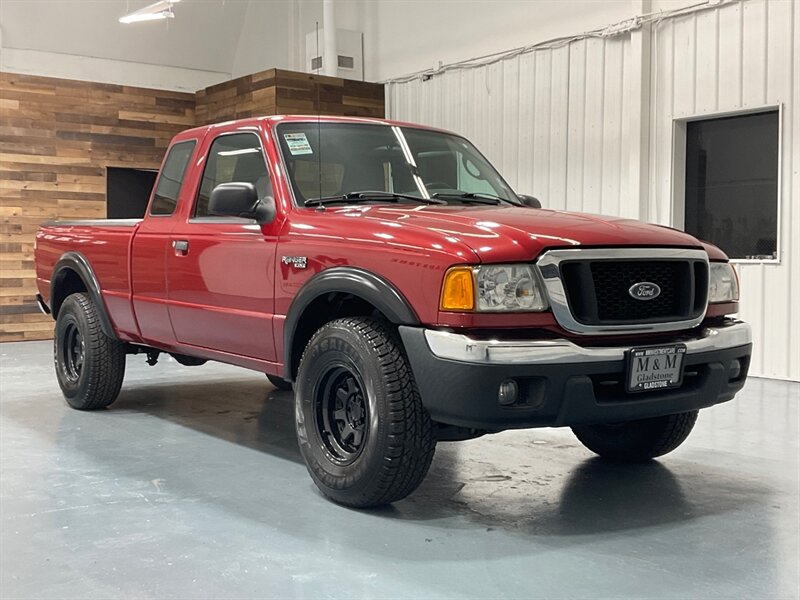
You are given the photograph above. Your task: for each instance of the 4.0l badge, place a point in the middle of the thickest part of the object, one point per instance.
(644, 290)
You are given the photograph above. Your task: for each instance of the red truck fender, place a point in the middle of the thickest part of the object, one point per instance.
(343, 281)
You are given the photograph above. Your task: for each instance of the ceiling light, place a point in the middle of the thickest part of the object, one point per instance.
(153, 12)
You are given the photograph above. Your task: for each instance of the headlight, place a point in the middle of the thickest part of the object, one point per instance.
(723, 286)
(493, 288)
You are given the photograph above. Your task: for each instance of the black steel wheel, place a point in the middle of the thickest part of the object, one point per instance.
(73, 351)
(363, 432)
(90, 366)
(341, 418)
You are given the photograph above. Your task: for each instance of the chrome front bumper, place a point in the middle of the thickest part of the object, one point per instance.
(459, 347)
(562, 383)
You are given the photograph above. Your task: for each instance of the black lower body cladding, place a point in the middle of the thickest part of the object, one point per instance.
(572, 392)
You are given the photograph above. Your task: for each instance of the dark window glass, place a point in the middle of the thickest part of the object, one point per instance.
(450, 163)
(236, 157)
(128, 191)
(327, 159)
(169, 181)
(732, 183)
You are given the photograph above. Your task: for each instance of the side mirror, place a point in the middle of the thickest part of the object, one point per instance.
(529, 201)
(240, 199)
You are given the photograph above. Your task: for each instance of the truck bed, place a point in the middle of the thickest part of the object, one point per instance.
(105, 243)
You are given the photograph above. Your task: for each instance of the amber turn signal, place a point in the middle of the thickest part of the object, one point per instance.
(458, 290)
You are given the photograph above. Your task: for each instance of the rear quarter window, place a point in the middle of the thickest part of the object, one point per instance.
(168, 187)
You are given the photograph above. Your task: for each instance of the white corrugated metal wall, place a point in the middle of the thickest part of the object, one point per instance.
(590, 127)
(738, 57)
(551, 120)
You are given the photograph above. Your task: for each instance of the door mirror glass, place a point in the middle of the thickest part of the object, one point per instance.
(530, 201)
(240, 199)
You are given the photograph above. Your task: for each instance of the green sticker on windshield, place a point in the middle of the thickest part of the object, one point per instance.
(297, 143)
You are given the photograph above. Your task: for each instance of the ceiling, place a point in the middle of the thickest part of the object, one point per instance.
(204, 35)
(229, 38)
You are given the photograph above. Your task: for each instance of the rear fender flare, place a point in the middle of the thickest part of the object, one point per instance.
(75, 261)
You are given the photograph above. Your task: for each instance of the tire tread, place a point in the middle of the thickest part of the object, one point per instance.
(108, 356)
(411, 437)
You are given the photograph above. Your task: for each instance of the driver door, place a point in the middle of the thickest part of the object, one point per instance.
(221, 269)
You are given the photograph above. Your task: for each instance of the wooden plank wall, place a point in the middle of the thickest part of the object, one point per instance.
(236, 99)
(58, 136)
(275, 92)
(301, 93)
(56, 139)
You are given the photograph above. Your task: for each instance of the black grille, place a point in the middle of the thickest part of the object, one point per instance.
(598, 291)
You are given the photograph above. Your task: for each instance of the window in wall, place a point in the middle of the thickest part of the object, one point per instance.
(732, 183)
(237, 157)
(169, 181)
(127, 192)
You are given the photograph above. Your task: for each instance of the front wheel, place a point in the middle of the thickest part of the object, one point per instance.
(90, 366)
(636, 441)
(363, 432)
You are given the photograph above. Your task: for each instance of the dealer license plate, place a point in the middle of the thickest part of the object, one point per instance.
(655, 368)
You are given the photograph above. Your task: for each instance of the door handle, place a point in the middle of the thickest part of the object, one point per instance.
(181, 247)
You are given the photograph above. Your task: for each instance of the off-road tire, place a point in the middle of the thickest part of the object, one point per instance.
(97, 382)
(398, 445)
(279, 383)
(637, 441)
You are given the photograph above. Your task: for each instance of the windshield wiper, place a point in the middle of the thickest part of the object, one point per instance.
(368, 196)
(475, 197)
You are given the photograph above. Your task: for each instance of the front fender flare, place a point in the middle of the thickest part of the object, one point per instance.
(360, 283)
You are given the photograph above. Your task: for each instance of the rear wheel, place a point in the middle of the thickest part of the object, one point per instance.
(362, 430)
(635, 441)
(280, 383)
(90, 366)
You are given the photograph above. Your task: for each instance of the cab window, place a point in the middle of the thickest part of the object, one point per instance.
(237, 157)
(168, 188)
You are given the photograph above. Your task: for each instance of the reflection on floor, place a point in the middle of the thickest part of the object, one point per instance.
(191, 485)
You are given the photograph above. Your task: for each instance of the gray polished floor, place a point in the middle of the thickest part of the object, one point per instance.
(191, 486)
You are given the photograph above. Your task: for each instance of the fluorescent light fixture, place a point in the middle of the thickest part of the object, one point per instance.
(153, 12)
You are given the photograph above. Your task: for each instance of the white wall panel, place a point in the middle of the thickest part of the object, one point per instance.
(550, 120)
(579, 125)
(446, 31)
(86, 68)
(739, 57)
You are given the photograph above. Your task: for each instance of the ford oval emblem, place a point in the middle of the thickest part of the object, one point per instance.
(644, 290)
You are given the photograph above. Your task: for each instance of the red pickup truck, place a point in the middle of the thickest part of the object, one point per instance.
(389, 274)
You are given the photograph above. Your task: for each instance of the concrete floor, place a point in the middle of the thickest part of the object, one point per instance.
(191, 486)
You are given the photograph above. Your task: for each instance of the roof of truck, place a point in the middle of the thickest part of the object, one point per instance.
(275, 119)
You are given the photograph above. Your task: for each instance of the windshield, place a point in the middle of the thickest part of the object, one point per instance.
(354, 157)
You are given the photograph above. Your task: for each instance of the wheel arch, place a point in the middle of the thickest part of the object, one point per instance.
(334, 293)
(72, 274)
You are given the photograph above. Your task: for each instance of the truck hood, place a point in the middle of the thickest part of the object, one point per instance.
(508, 234)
